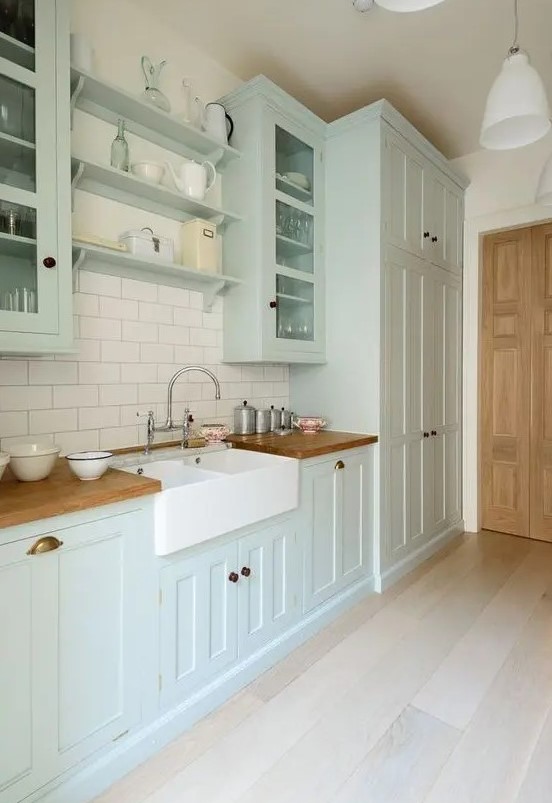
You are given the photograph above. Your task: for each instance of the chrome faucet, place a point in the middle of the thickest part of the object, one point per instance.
(169, 425)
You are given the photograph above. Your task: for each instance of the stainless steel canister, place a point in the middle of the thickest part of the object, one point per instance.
(275, 419)
(262, 422)
(286, 418)
(244, 419)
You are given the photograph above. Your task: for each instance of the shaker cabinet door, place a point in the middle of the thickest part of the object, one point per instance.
(199, 605)
(404, 183)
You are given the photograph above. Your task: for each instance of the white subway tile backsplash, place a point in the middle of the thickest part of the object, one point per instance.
(75, 395)
(99, 284)
(89, 399)
(100, 328)
(46, 421)
(155, 313)
(51, 372)
(14, 424)
(25, 397)
(14, 372)
(118, 394)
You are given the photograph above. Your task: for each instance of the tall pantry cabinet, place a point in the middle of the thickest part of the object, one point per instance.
(393, 248)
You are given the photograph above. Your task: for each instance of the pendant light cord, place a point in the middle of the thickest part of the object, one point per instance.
(515, 47)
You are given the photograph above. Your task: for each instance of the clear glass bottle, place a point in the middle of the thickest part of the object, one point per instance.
(119, 149)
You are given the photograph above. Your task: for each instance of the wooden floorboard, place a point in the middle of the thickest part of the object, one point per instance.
(438, 691)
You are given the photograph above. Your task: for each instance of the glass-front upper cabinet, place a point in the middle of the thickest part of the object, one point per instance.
(32, 217)
(297, 276)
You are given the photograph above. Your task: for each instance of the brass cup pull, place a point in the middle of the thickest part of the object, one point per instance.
(340, 465)
(233, 577)
(46, 544)
(246, 571)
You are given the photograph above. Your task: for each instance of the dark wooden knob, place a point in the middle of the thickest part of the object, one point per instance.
(246, 571)
(273, 304)
(426, 434)
(49, 262)
(434, 239)
(434, 432)
(233, 577)
(426, 235)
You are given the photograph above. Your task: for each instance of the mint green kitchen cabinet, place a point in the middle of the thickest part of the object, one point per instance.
(337, 519)
(278, 313)
(72, 624)
(199, 607)
(35, 181)
(268, 598)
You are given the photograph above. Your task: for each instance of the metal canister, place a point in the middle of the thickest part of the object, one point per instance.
(262, 422)
(275, 419)
(244, 419)
(286, 418)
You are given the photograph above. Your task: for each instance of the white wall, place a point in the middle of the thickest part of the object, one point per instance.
(501, 195)
(131, 336)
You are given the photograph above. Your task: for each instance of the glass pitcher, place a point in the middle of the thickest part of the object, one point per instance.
(152, 93)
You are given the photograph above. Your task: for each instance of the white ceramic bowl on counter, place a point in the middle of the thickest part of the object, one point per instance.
(89, 465)
(149, 171)
(4, 460)
(31, 462)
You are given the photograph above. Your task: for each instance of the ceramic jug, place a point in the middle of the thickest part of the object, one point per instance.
(217, 123)
(194, 178)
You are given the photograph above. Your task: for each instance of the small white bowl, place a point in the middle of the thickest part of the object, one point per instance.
(300, 180)
(31, 462)
(4, 460)
(149, 171)
(89, 465)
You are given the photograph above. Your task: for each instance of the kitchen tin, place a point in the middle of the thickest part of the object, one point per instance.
(275, 419)
(200, 245)
(286, 418)
(244, 419)
(144, 242)
(262, 421)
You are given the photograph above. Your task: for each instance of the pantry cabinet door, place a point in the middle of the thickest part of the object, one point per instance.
(444, 213)
(404, 176)
(199, 606)
(268, 594)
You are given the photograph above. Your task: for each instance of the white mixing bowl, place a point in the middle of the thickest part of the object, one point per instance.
(4, 460)
(149, 171)
(89, 465)
(31, 462)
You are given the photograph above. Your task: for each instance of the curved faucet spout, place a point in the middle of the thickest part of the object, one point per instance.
(170, 424)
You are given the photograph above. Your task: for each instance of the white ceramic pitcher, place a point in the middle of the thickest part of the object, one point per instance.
(194, 178)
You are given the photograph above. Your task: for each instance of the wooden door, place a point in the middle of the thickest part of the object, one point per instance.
(541, 384)
(505, 382)
(269, 594)
(199, 608)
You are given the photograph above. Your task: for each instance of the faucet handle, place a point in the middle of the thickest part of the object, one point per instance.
(144, 414)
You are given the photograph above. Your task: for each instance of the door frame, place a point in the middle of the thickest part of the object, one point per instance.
(474, 231)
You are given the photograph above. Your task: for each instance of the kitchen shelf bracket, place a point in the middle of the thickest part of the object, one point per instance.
(75, 96)
(79, 255)
(75, 182)
(210, 295)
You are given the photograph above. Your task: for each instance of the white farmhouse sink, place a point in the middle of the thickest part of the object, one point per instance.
(207, 495)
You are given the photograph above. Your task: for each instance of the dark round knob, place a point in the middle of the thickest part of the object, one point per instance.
(434, 432)
(233, 577)
(273, 304)
(49, 262)
(426, 434)
(426, 235)
(434, 239)
(246, 571)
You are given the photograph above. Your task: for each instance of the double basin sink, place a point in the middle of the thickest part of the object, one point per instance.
(205, 495)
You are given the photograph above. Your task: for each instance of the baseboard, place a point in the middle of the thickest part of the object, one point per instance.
(389, 577)
(113, 764)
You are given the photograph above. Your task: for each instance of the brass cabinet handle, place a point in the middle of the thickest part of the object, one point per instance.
(46, 544)
(339, 465)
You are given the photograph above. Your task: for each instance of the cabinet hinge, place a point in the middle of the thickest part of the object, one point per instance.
(160, 681)
(120, 736)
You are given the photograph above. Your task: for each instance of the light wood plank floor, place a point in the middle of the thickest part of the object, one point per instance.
(440, 690)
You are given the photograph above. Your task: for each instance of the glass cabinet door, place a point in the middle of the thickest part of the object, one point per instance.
(28, 175)
(295, 237)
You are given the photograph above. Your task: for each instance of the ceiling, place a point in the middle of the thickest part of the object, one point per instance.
(435, 66)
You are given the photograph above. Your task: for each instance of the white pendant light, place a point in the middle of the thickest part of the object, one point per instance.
(407, 5)
(517, 111)
(544, 190)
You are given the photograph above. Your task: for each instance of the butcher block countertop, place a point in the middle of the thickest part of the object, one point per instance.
(299, 445)
(62, 492)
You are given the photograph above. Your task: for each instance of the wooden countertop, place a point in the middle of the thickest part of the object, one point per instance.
(299, 445)
(62, 492)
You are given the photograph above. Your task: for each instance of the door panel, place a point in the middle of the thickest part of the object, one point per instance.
(404, 208)
(505, 382)
(541, 384)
